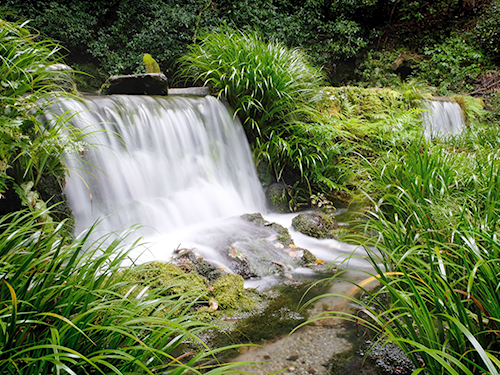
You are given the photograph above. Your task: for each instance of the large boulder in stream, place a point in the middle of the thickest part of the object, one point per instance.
(315, 224)
(269, 250)
(136, 84)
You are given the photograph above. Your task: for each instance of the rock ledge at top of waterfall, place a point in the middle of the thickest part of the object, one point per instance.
(136, 84)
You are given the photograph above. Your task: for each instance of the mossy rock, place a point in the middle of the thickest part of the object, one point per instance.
(283, 235)
(150, 63)
(316, 224)
(167, 277)
(189, 261)
(229, 292)
(277, 198)
(308, 258)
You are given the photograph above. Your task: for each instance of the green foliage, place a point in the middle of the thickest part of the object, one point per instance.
(452, 66)
(473, 108)
(29, 150)
(434, 222)
(486, 34)
(113, 34)
(151, 64)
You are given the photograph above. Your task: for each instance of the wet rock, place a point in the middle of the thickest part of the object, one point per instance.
(389, 358)
(189, 261)
(283, 235)
(307, 258)
(315, 224)
(136, 84)
(276, 197)
(239, 263)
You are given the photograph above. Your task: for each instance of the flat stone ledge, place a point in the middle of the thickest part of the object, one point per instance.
(136, 84)
(196, 91)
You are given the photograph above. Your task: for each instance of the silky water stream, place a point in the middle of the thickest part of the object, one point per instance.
(181, 169)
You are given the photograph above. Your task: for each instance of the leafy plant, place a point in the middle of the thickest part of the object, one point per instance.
(28, 149)
(433, 226)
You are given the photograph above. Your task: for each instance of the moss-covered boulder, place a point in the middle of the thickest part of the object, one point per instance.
(276, 197)
(166, 276)
(189, 261)
(315, 224)
(283, 235)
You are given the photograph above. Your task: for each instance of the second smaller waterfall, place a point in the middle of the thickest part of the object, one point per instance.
(443, 118)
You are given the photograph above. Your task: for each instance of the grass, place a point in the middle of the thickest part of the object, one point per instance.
(432, 213)
(65, 310)
(273, 90)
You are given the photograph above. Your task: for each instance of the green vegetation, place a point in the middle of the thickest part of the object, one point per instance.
(28, 150)
(429, 208)
(64, 309)
(431, 213)
(151, 64)
(68, 305)
(272, 89)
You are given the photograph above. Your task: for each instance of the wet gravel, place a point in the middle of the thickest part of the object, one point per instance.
(307, 351)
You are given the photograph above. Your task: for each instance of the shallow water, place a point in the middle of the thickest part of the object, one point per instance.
(309, 349)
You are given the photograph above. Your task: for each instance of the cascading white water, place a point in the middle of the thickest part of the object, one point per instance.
(443, 118)
(165, 163)
(181, 168)
(162, 162)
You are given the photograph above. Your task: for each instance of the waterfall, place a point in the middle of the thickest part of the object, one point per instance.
(443, 118)
(165, 163)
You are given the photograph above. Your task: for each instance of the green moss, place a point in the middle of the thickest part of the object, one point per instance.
(277, 197)
(307, 258)
(168, 277)
(229, 292)
(151, 65)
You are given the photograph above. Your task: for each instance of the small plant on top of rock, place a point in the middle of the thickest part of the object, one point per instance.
(150, 63)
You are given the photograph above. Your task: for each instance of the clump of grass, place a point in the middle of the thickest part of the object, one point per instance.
(433, 218)
(273, 90)
(64, 310)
